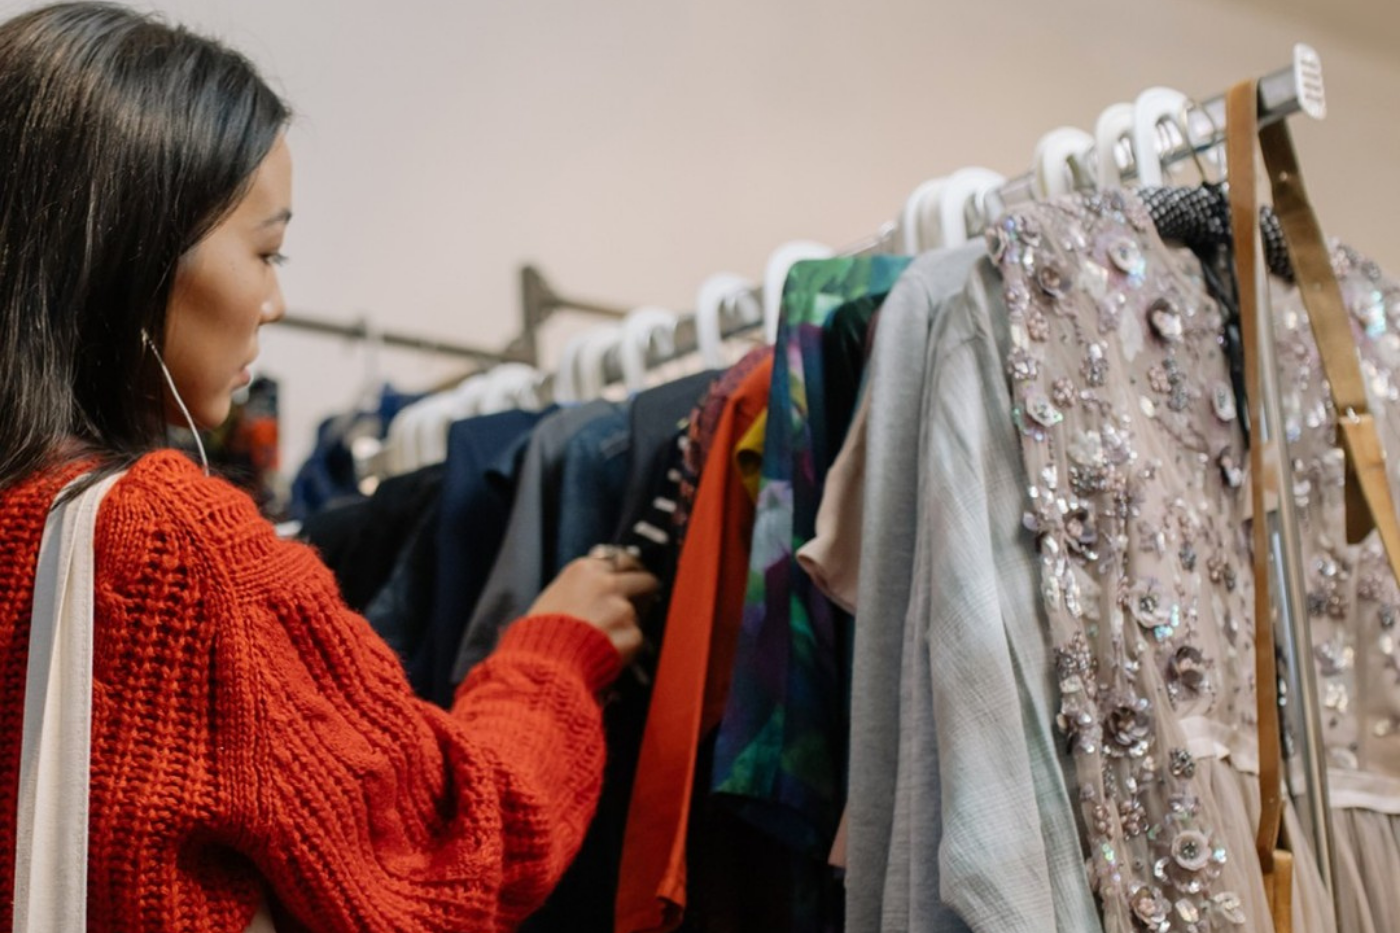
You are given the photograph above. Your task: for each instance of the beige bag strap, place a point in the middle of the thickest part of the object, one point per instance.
(52, 817)
(1242, 120)
(51, 838)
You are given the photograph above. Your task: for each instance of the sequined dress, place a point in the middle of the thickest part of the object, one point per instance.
(1352, 599)
(1137, 507)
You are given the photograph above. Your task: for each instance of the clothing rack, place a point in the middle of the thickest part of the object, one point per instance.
(1297, 88)
(1198, 136)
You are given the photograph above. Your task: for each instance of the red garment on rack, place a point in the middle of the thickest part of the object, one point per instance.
(692, 675)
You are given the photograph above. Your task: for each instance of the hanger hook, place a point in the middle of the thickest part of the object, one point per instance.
(1217, 133)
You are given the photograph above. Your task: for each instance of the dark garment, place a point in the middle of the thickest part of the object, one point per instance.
(401, 610)
(559, 509)
(584, 900)
(361, 542)
(1199, 219)
(483, 457)
(657, 416)
(738, 878)
(845, 349)
(592, 485)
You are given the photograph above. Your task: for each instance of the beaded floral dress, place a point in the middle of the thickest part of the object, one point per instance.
(1137, 505)
(1353, 602)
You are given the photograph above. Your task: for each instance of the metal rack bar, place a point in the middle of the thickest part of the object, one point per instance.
(363, 332)
(539, 300)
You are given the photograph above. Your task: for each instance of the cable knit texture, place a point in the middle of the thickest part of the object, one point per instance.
(252, 735)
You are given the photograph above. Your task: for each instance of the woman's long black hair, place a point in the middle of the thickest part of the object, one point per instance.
(123, 141)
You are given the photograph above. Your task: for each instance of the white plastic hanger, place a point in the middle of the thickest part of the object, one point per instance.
(505, 386)
(719, 290)
(965, 186)
(1196, 123)
(566, 387)
(1152, 107)
(396, 447)
(427, 425)
(590, 374)
(1053, 177)
(469, 394)
(917, 206)
(430, 429)
(418, 436)
(780, 263)
(401, 444)
(528, 395)
(640, 329)
(1113, 124)
(935, 214)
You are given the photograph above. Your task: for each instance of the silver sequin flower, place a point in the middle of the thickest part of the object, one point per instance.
(1191, 850)
(1181, 763)
(1165, 320)
(1043, 411)
(1081, 535)
(1021, 366)
(1126, 255)
(1187, 673)
(1053, 280)
(1128, 729)
(1147, 604)
(1151, 909)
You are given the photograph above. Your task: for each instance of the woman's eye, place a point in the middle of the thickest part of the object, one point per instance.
(275, 259)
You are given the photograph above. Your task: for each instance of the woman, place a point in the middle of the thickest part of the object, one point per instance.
(252, 739)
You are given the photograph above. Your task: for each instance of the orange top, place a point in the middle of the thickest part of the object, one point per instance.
(692, 674)
(250, 733)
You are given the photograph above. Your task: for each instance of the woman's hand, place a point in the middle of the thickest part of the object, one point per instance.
(602, 590)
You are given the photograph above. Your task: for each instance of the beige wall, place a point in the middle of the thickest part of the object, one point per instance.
(631, 147)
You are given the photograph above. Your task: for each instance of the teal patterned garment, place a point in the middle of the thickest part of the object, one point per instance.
(780, 753)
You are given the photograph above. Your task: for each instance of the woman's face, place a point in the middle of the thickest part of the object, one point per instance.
(225, 289)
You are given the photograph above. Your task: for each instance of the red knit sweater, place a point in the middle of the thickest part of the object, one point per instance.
(252, 734)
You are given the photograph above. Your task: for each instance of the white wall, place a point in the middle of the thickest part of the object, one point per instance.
(631, 147)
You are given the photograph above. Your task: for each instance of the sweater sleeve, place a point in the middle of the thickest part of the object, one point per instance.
(361, 806)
